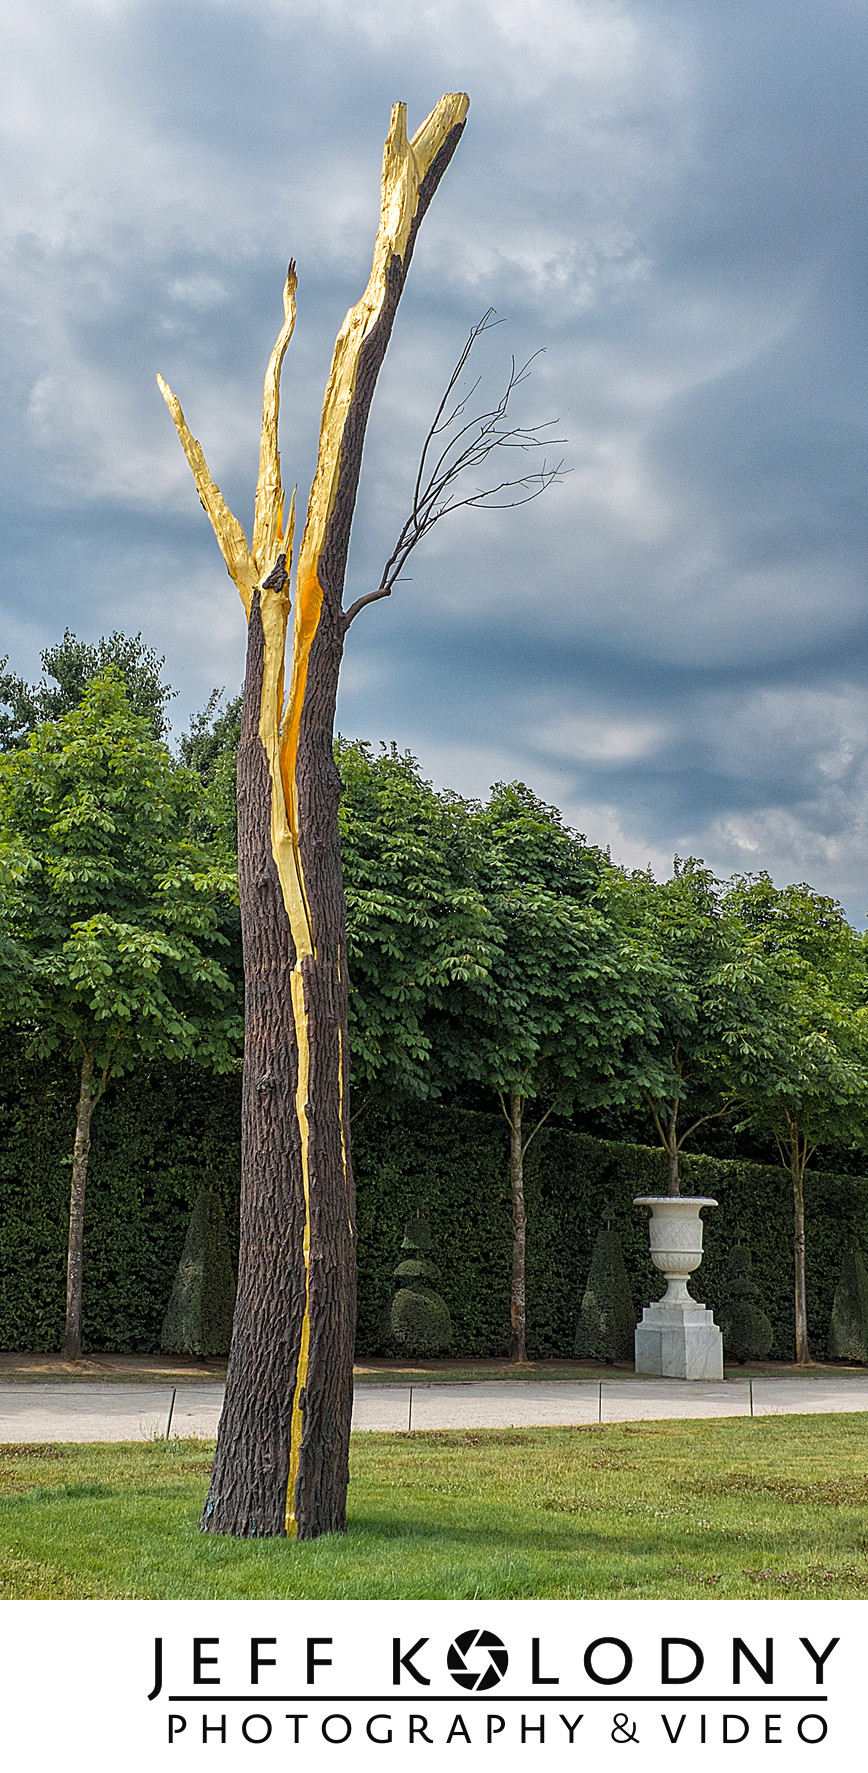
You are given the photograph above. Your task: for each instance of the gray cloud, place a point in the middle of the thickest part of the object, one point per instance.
(668, 197)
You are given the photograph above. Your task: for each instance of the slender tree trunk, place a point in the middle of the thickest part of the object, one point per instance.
(797, 1171)
(75, 1257)
(667, 1133)
(672, 1152)
(517, 1299)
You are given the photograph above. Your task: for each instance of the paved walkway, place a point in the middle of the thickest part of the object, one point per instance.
(97, 1411)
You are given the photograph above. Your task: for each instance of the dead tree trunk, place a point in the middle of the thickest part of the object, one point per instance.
(282, 1454)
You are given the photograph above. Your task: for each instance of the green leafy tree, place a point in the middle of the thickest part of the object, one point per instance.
(213, 737)
(417, 919)
(812, 1087)
(418, 925)
(115, 913)
(711, 992)
(564, 1013)
(211, 749)
(69, 667)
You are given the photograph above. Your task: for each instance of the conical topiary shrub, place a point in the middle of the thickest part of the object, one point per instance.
(607, 1318)
(198, 1319)
(747, 1332)
(419, 1320)
(848, 1331)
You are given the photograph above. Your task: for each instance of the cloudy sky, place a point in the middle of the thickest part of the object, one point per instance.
(666, 197)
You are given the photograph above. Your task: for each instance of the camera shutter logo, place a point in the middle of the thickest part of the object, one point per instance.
(477, 1660)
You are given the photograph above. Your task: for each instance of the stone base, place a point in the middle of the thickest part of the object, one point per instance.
(679, 1341)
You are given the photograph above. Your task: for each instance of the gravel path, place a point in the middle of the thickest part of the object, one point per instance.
(97, 1410)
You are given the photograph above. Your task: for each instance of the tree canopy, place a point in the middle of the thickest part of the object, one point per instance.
(418, 922)
(117, 909)
(711, 992)
(69, 667)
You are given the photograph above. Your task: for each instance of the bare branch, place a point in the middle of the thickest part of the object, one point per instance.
(728, 1106)
(450, 455)
(540, 1123)
(657, 1122)
(507, 1116)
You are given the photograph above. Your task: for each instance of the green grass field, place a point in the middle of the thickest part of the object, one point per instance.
(770, 1507)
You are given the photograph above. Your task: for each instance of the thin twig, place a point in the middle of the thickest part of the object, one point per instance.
(540, 1123)
(728, 1106)
(465, 449)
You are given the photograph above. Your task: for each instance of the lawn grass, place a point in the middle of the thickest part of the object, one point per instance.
(773, 1506)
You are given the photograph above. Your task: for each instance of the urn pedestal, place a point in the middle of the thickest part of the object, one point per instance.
(677, 1338)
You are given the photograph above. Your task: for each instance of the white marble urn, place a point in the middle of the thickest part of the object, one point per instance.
(675, 1230)
(677, 1338)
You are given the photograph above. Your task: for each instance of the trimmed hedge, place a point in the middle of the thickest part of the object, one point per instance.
(201, 1305)
(607, 1316)
(159, 1137)
(457, 1161)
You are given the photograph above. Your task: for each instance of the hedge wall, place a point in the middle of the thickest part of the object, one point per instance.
(158, 1137)
(155, 1140)
(455, 1162)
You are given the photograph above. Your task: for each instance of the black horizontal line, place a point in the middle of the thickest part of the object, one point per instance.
(494, 1698)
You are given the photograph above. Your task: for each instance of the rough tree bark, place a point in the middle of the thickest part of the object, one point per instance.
(281, 1463)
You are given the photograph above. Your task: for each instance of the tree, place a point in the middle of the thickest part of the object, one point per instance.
(417, 920)
(210, 748)
(73, 664)
(115, 913)
(282, 1455)
(812, 1086)
(710, 1038)
(213, 738)
(566, 1005)
(455, 447)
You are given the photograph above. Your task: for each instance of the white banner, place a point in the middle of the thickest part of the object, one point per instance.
(149, 1685)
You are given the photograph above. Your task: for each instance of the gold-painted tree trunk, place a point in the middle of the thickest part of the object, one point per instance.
(282, 1452)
